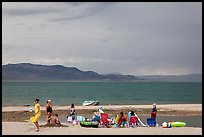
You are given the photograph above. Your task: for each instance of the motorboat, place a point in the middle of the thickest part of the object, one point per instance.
(90, 103)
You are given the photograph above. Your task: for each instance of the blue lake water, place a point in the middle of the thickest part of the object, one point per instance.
(115, 93)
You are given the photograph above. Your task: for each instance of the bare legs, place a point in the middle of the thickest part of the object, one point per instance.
(37, 126)
(48, 117)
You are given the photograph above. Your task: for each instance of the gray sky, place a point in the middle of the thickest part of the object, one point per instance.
(130, 38)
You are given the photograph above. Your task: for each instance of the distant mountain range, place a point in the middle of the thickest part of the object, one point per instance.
(172, 78)
(35, 72)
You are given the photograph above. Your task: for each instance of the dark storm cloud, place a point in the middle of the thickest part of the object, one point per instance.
(24, 9)
(127, 37)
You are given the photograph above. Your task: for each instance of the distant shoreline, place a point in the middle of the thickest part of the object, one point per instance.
(145, 80)
(178, 107)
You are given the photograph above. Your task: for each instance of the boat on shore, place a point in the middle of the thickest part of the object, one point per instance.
(26, 105)
(90, 103)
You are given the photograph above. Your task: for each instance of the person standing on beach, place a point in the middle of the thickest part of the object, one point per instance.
(48, 111)
(71, 115)
(72, 112)
(154, 111)
(37, 114)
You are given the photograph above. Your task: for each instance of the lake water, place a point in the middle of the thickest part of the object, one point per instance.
(115, 93)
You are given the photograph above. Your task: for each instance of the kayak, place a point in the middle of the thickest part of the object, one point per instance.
(90, 102)
(178, 124)
(89, 124)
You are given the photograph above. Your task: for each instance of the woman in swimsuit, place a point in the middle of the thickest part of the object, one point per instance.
(48, 111)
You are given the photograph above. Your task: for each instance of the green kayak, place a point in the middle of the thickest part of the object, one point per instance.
(89, 124)
(178, 124)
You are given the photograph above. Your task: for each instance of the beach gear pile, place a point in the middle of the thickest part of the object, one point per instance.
(131, 120)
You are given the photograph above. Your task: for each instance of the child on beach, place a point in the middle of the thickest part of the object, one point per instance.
(54, 120)
(154, 111)
(37, 114)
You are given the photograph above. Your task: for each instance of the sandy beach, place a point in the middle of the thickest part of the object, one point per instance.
(13, 117)
(10, 128)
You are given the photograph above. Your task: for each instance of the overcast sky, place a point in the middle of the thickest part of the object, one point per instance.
(129, 38)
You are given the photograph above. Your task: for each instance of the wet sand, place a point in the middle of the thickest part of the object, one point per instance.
(21, 113)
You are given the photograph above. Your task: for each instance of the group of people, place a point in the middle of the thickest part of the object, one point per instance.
(50, 116)
(133, 119)
(122, 120)
(53, 118)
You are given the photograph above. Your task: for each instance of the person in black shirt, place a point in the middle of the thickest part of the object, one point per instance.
(72, 112)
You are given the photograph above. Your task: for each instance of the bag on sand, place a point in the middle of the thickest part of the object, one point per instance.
(69, 118)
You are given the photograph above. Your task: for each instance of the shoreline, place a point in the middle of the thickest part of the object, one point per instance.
(21, 113)
(163, 109)
(160, 107)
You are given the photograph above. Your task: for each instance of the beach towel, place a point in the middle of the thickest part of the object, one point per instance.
(104, 119)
